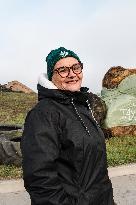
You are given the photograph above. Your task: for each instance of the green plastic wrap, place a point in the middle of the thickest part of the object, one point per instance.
(121, 103)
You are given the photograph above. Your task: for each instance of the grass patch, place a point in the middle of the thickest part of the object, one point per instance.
(14, 107)
(120, 150)
(10, 172)
(11, 134)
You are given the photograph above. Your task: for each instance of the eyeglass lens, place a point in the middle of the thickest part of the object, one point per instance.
(64, 71)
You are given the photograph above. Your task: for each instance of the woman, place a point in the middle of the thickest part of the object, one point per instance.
(63, 147)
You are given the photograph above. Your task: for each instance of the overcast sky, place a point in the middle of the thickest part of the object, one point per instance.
(101, 32)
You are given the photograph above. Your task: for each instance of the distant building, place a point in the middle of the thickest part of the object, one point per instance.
(16, 86)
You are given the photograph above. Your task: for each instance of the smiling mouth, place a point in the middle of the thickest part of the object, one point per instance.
(72, 82)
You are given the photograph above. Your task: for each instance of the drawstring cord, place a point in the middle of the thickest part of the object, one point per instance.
(86, 128)
(87, 101)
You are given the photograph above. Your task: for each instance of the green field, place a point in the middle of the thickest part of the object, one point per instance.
(14, 107)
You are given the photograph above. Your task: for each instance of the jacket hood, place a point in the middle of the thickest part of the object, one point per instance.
(46, 89)
(44, 82)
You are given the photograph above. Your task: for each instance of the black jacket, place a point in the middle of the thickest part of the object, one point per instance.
(64, 153)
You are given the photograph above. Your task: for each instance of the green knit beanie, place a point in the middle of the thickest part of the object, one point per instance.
(56, 55)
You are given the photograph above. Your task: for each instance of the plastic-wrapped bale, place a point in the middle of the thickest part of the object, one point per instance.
(115, 75)
(119, 94)
(98, 107)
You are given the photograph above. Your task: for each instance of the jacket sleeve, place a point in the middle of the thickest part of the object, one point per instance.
(40, 150)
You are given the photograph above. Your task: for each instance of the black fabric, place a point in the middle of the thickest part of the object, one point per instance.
(62, 164)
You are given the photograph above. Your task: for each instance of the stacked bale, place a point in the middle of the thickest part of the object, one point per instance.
(119, 94)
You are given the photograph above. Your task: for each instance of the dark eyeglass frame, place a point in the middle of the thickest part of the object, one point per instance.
(69, 68)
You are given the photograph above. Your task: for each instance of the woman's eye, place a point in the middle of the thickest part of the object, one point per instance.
(62, 70)
(76, 67)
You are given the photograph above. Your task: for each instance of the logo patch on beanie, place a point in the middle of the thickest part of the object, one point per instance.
(63, 54)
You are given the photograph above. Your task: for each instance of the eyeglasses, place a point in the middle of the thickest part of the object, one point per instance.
(64, 71)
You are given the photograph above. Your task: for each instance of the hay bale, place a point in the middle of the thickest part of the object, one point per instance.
(98, 107)
(120, 131)
(119, 94)
(115, 75)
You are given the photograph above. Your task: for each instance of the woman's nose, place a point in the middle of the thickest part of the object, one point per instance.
(71, 73)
